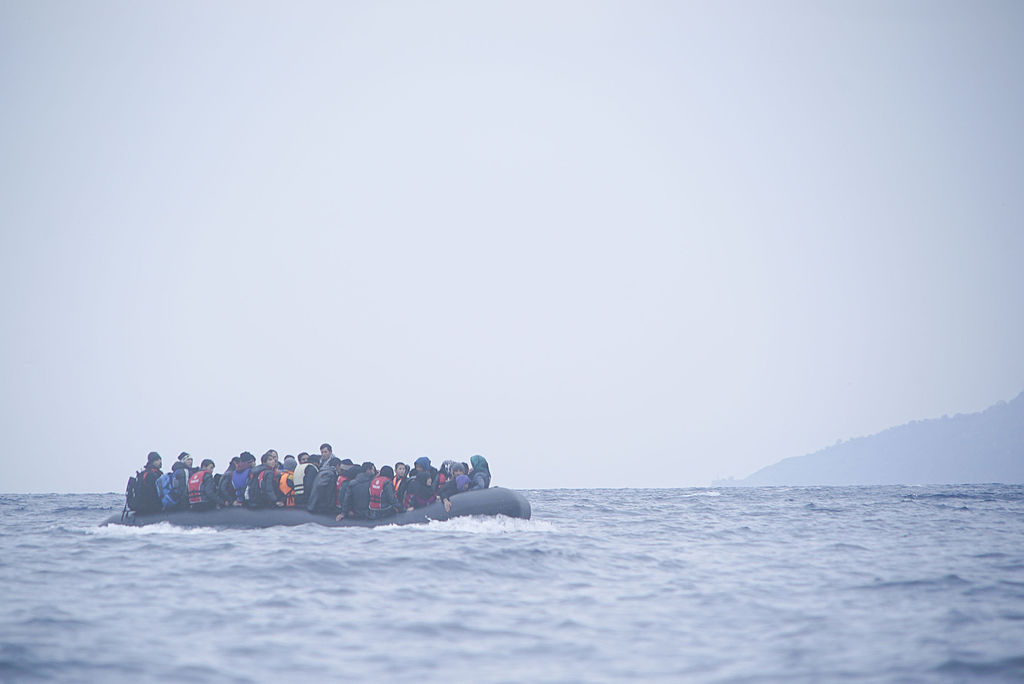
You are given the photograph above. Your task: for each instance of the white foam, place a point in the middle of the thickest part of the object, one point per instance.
(498, 524)
(161, 528)
(711, 493)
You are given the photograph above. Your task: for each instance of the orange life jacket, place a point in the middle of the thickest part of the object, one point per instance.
(286, 485)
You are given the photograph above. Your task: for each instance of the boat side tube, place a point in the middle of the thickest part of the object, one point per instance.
(492, 501)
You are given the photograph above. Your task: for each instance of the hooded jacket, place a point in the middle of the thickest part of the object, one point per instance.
(356, 497)
(423, 486)
(481, 475)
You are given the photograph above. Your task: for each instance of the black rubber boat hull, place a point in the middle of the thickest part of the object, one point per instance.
(493, 501)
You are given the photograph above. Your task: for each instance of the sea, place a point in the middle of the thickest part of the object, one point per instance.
(770, 584)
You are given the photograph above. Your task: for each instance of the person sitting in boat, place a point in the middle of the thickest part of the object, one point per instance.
(458, 482)
(480, 474)
(303, 478)
(383, 501)
(285, 482)
(325, 488)
(172, 497)
(146, 499)
(179, 484)
(422, 488)
(400, 481)
(226, 488)
(240, 479)
(261, 490)
(355, 497)
(347, 472)
(202, 489)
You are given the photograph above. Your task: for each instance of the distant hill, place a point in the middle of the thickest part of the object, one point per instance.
(976, 447)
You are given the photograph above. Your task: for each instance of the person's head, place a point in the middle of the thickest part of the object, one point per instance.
(233, 463)
(290, 463)
(400, 469)
(387, 471)
(421, 463)
(316, 459)
(245, 460)
(458, 469)
(186, 458)
(334, 462)
(462, 481)
(269, 459)
(368, 467)
(479, 463)
(208, 465)
(326, 451)
(303, 458)
(154, 460)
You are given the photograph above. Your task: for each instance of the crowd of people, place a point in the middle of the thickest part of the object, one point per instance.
(322, 483)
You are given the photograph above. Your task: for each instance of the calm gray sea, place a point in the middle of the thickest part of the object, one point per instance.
(716, 585)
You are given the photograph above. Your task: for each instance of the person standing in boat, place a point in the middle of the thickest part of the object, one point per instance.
(146, 498)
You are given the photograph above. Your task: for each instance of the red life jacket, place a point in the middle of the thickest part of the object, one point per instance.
(195, 486)
(376, 490)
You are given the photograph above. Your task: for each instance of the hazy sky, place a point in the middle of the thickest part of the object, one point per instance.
(603, 244)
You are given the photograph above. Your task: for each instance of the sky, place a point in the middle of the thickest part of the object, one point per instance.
(622, 244)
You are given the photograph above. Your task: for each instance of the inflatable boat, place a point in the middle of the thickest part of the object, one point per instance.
(493, 501)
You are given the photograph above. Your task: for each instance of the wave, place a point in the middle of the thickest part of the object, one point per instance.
(158, 529)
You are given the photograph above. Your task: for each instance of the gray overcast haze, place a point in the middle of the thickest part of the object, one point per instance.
(603, 244)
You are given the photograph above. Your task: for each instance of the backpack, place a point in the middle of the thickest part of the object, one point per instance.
(131, 496)
(165, 490)
(254, 495)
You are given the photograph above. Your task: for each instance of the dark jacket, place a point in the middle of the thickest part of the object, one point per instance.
(355, 500)
(321, 496)
(226, 491)
(423, 486)
(389, 502)
(210, 495)
(146, 498)
(180, 487)
(265, 493)
(481, 479)
(401, 488)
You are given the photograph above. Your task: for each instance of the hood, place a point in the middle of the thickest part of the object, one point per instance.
(479, 463)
